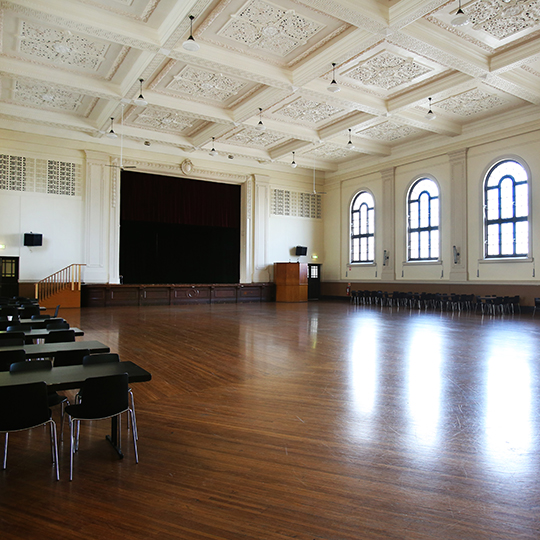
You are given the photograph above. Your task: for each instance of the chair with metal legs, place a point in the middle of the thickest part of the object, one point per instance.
(25, 406)
(102, 397)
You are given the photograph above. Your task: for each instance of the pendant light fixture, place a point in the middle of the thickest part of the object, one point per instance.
(333, 87)
(430, 115)
(350, 144)
(293, 163)
(260, 126)
(190, 44)
(112, 134)
(140, 100)
(460, 19)
(213, 152)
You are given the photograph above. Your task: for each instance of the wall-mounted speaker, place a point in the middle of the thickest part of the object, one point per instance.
(301, 251)
(33, 239)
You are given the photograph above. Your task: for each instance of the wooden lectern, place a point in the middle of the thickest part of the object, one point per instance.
(291, 282)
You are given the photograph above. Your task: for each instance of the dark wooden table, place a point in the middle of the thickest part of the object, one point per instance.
(43, 350)
(40, 333)
(70, 377)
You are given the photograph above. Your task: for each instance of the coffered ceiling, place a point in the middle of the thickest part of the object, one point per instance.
(68, 66)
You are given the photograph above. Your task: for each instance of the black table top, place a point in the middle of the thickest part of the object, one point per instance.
(48, 349)
(69, 377)
(37, 333)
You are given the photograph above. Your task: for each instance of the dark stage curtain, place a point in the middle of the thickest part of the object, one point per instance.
(178, 230)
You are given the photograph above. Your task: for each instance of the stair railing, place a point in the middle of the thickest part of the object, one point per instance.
(68, 277)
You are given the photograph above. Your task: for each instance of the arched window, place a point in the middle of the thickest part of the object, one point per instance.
(363, 228)
(423, 221)
(506, 203)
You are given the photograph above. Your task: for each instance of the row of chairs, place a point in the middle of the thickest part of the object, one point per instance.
(27, 406)
(447, 302)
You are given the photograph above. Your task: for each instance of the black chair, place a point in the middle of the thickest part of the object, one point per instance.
(58, 325)
(107, 358)
(536, 305)
(53, 398)
(70, 358)
(40, 317)
(9, 357)
(56, 311)
(13, 342)
(38, 325)
(103, 397)
(29, 310)
(60, 336)
(25, 406)
(11, 335)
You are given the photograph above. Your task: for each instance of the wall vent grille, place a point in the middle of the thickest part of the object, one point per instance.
(296, 204)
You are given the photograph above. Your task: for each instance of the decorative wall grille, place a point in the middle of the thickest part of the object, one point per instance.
(296, 204)
(18, 173)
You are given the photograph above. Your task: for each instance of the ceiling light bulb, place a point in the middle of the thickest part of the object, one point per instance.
(140, 100)
(460, 19)
(333, 87)
(213, 152)
(350, 144)
(260, 126)
(112, 134)
(293, 163)
(430, 115)
(190, 44)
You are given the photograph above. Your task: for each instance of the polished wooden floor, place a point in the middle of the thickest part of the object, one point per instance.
(308, 421)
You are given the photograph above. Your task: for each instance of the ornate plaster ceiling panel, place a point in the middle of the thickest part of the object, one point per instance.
(504, 18)
(279, 31)
(387, 70)
(61, 46)
(388, 131)
(306, 111)
(140, 10)
(253, 138)
(161, 120)
(470, 103)
(44, 44)
(200, 83)
(330, 152)
(43, 96)
(266, 26)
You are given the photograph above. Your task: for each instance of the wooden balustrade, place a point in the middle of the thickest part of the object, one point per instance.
(67, 278)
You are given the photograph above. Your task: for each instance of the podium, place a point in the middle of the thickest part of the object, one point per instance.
(291, 282)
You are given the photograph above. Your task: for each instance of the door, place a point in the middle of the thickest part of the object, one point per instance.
(314, 281)
(9, 276)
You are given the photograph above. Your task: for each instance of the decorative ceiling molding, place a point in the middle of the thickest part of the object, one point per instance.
(387, 131)
(328, 151)
(167, 121)
(266, 26)
(504, 18)
(204, 84)
(144, 16)
(308, 111)
(469, 103)
(40, 95)
(387, 70)
(251, 137)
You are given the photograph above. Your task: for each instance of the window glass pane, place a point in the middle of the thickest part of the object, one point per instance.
(522, 238)
(424, 210)
(363, 249)
(424, 245)
(522, 200)
(492, 204)
(371, 248)
(507, 239)
(355, 250)
(356, 223)
(414, 245)
(371, 221)
(363, 219)
(493, 240)
(413, 212)
(507, 198)
(434, 213)
(434, 244)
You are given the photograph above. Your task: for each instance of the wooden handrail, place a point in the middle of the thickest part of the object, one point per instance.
(70, 276)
